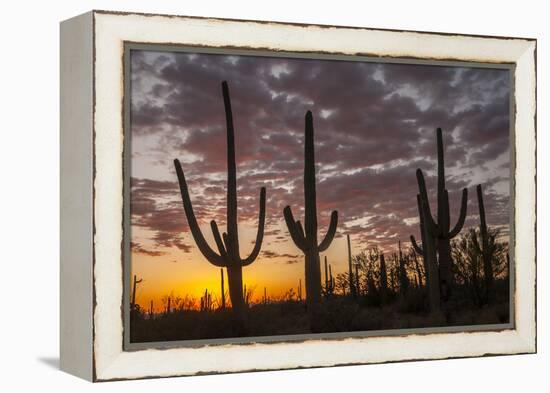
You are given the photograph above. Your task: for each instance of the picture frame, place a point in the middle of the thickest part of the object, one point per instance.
(95, 309)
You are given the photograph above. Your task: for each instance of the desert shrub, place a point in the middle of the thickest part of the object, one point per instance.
(415, 301)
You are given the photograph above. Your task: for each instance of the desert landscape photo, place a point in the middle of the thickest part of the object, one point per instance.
(274, 196)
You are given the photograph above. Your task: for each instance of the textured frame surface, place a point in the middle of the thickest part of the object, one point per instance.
(111, 31)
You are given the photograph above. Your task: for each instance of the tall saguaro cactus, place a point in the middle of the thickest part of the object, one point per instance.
(486, 248)
(306, 240)
(352, 284)
(428, 252)
(440, 228)
(222, 289)
(228, 254)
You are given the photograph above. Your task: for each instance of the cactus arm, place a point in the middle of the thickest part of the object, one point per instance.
(330, 232)
(218, 239)
(295, 229)
(227, 242)
(209, 254)
(416, 247)
(462, 215)
(431, 225)
(260, 234)
(301, 230)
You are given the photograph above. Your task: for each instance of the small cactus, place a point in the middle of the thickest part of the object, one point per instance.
(133, 302)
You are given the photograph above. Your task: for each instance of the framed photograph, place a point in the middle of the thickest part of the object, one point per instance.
(245, 195)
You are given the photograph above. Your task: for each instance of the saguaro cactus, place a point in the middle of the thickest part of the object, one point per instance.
(326, 277)
(307, 240)
(352, 288)
(486, 248)
(440, 228)
(330, 289)
(222, 289)
(429, 255)
(133, 302)
(228, 243)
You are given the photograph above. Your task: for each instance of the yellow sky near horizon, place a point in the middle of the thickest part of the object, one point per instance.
(190, 273)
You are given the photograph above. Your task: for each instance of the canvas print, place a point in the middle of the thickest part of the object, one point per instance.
(281, 196)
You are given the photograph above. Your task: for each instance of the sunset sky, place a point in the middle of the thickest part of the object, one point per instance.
(374, 126)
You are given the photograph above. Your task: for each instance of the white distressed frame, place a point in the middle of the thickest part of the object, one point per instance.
(111, 30)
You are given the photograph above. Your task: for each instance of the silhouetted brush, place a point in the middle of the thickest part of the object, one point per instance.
(228, 254)
(440, 228)
(403, 278)
(383, 279)
(416, 266)
(326, 277)
(306, 238)
(486, 248)
(356, 278)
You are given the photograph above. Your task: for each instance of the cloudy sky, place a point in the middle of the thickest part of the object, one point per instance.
(374, 126)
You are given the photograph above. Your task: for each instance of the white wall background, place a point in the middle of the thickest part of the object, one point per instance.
(29, 183)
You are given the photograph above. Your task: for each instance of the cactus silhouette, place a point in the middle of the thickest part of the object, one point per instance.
(486, 248)
(329, 280)
(206, 301)
(228, 243)
(222, 289)
(133, 302)
(352, 282)
(306, 240)
(427, 250)
(440, 228)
